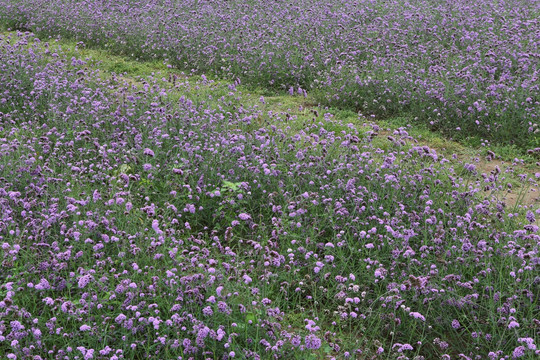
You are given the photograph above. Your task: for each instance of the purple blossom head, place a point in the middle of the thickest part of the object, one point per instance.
(312, 342)
(84, 281)
(518, 352)
(530, 217)
(244, 216)
(417, 315)
(120, 318)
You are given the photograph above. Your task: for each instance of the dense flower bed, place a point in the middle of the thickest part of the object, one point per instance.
(138, 223)
(468, 69)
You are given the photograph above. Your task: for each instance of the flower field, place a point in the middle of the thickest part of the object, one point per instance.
(466, 69)
(146, 213)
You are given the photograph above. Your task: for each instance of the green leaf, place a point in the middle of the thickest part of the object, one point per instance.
(124, 169)
(230, 185)
(250, 316)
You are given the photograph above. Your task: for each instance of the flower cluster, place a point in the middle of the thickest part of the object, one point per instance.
(158, 218)
(458, 67)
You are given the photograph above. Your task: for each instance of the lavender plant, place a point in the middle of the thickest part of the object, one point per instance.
(468, 70)
(141, 220)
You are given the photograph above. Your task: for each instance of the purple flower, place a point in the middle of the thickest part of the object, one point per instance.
(470, 167)
(244, 216)
(530, 217)
(207, 311)
(155, 226)
(402, 347)
(529, 342)
(513, 324)
(417, 315)
(312, 342)
(518, 352)
(223, 307)
(96, 196)
(296, 341)
(37, 333)
(43, 285)
(16, 325)
(84, 280)
(120, 318)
